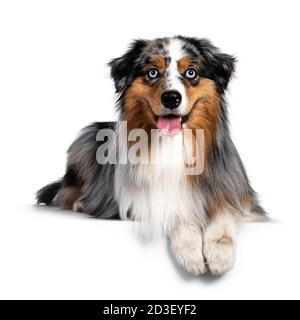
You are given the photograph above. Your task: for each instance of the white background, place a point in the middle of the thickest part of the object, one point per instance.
(54, 80)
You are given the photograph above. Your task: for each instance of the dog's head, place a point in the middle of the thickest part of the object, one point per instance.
(171, 83)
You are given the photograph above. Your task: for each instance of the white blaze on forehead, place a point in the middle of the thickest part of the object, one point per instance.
(173, 82)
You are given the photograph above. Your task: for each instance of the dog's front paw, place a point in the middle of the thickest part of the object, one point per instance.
(219, 255)
(186, 244)
(191, 259)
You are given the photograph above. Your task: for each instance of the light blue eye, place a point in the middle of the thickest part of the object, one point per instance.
(153, 73)
(190, 73)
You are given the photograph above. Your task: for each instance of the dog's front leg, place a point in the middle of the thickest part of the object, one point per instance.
(186, 244)
(220, 243)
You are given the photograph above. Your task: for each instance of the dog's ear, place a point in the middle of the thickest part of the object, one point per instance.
(224, 66)
(125, 68)
(219, 66)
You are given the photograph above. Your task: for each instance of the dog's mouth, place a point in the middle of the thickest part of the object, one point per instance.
(170, 124)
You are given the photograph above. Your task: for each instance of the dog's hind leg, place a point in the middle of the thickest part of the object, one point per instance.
(64, 193)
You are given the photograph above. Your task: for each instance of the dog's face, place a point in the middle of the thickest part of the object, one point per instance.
(172, 83)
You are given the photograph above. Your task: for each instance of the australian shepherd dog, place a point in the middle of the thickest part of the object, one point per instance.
(138, 168)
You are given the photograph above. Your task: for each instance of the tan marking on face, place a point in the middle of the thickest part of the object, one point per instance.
(160, 63)
(204, 107)
(142, 102)
(183, 64)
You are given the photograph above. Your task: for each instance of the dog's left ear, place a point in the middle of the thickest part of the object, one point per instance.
(223, 68)
(219, 66)
(125, 68)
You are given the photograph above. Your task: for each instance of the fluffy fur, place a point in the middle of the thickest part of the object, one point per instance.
(201, 214)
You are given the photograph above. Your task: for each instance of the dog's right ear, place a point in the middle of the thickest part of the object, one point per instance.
(124, 69)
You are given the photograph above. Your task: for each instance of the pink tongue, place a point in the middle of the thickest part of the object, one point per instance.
(169, 126)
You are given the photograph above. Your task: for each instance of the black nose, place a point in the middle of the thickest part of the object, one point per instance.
(171, 99)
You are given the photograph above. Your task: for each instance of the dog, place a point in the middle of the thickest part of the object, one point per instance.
(167, 85)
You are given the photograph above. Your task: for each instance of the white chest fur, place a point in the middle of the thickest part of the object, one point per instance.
(158, 194)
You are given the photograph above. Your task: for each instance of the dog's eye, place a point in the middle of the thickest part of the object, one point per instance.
(190, 73)
(153, 73)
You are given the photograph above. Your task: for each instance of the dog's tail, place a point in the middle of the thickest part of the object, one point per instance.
(48, 193)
